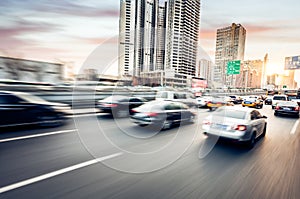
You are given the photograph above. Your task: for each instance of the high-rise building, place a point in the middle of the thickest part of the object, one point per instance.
(230, 45)
(251, 74)
(160, 40)
(126, 37)
(182, 35)
(204, 70)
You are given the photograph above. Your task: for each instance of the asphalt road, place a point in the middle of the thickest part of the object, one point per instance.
(99, 157)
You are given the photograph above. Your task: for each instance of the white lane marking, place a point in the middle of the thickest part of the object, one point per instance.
(56, 173)
(293, 131)
(37, 135)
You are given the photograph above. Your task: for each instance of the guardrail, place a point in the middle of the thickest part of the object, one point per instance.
(85, 97)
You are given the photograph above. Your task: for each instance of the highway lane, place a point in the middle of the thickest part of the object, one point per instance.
(270, 170)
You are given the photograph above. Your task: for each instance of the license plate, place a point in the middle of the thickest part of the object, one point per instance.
(220, 126)
(286, 109)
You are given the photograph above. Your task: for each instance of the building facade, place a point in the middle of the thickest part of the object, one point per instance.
(31, 70)
(159, 40)
(204, 70)
(126, 37)
(230, 45)
(250, 74)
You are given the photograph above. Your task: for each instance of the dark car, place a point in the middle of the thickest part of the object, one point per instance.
(18, 108)
(119, 105)
(287, 108)
(236, 99)
(164, 114)
(268, 101)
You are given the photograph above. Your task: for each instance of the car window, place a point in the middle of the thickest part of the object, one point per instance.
(172, 106)
(9, 99)
(279, 98)
(184, 107)
(134, 100)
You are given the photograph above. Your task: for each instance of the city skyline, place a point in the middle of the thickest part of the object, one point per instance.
(71, 30)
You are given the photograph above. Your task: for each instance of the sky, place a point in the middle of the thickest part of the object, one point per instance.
(73, 30)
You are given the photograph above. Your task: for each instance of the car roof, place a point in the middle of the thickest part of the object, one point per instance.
(13, 93)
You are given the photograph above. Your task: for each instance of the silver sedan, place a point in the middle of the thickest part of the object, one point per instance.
(236, 123)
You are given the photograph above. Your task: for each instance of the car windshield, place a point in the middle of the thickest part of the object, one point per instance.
(237, 114)
(279, 98)
(32, 98)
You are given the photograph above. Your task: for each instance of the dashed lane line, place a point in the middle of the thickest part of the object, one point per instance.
(55, 173)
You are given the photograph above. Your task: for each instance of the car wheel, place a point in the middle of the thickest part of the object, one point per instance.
(142, 125)
(49, 120)
(166, 125)
(121, 113)
(192, 119)
(275, 113)
(250, 144)
(264, 131)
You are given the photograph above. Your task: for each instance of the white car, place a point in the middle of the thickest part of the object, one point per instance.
(236, 123)
(278, 98)
(202, 101)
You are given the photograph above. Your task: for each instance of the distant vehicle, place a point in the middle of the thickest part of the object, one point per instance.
(184, 97)
(119, 106)
(253, 102)
(202, 101)
(164, 114)
(236, 123)
(287, 108)
(217, 102)
(268, 101)
(278, 98)
(236, 99)
(18, 108)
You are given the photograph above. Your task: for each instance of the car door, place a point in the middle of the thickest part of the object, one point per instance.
(173, 112)
(261, 122)
(256, 121)
(135, 102)
(12, 110)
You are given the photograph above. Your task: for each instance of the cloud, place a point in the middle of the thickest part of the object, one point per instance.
(63, 7)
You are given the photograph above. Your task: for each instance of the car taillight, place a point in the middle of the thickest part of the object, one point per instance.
(151, 114)
(297, 108)
(208, 102)
(110, 105)
(206, 122)
(277, 108)
(240, 128)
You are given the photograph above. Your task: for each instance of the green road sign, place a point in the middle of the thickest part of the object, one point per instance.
(233, 67)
